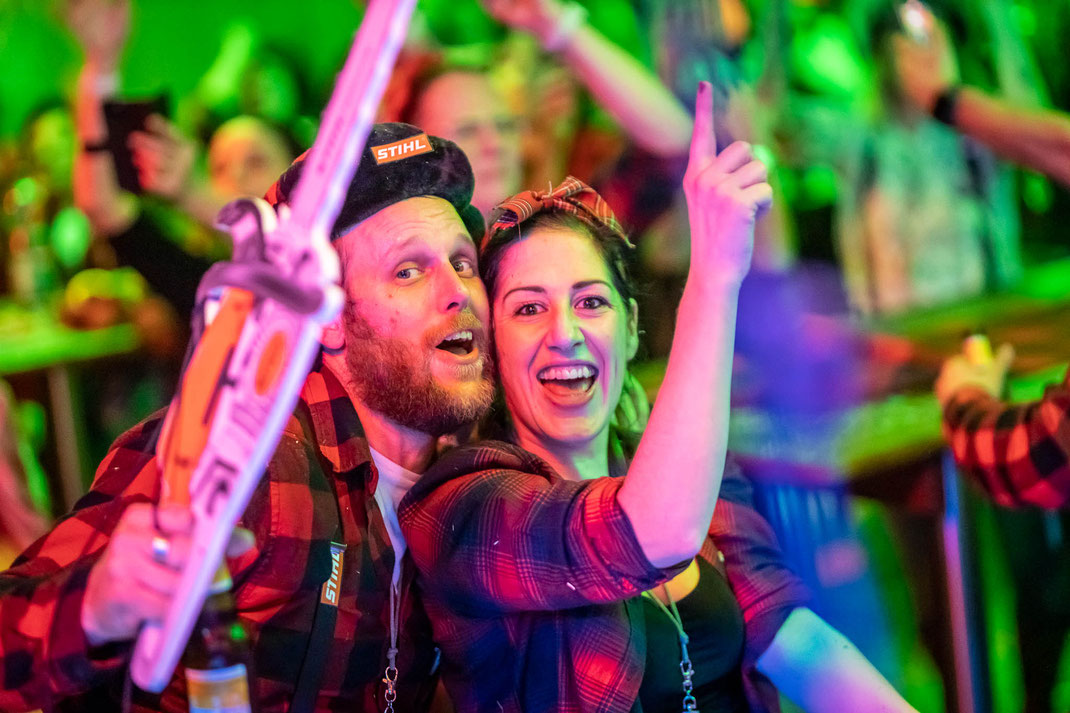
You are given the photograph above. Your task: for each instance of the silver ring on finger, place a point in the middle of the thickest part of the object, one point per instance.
(161, 547)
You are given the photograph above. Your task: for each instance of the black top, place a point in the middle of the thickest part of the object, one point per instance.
(170, 271)
(713, 621)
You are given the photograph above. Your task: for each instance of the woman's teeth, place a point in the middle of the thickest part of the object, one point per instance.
(566, 373)
(568, 382)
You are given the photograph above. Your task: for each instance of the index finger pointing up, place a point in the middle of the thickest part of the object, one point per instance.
(703, 139)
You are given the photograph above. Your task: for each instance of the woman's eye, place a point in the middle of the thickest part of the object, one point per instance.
(528, 310)
(593, 303)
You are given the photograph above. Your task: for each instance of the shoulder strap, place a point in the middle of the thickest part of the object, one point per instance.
(329, 571)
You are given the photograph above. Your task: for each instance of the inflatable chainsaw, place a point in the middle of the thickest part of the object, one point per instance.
(248, 360)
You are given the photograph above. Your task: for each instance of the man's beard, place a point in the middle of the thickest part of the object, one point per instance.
(392, 378)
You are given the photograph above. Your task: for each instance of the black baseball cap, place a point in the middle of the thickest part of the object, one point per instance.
(400, 161)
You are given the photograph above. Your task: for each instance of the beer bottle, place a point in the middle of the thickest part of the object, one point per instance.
(218, 657)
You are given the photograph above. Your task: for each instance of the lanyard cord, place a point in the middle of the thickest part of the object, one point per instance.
(686, 669)
(391, 677)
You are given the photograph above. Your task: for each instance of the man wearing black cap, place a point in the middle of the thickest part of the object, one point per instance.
(406, 363)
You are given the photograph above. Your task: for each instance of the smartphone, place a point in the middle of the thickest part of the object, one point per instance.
(124, 118)
(916, 20)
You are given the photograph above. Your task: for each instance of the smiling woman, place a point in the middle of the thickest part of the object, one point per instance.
(535, 545)
(532, 559)
(565, 328)
(564, 318)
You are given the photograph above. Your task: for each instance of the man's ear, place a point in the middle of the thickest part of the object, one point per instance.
(633, 328)
(334, 337)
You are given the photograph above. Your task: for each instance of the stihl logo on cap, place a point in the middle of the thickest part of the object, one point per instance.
(412, 146)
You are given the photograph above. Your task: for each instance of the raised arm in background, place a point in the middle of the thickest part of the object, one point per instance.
(633, 95)
(1038, 139)
(101, 29)
(163, 157)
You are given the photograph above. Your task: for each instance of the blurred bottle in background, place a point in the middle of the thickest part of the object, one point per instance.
(32, 275)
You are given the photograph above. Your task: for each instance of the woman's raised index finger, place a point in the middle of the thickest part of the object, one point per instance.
(703, 140)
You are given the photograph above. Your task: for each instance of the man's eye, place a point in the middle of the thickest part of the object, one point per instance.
(406, 273)
(466, 131)
(593, 303)
(464, 267)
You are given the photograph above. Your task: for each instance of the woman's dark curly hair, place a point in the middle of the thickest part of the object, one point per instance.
(616, 253)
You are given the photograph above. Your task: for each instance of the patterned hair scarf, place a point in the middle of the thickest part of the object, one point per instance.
(573, 196)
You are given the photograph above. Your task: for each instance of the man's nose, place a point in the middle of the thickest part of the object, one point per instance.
(490, 139)
(454, 292)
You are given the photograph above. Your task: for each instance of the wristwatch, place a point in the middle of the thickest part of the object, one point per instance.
(944, 107)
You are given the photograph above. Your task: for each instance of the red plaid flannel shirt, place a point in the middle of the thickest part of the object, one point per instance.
(1020, 455)
(320, 469)
(531, 582)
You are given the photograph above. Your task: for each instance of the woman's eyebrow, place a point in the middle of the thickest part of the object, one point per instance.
(531, 288)
(588, 283)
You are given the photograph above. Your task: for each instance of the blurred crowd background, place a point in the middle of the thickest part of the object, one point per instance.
(893, 236)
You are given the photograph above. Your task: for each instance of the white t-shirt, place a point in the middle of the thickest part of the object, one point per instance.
(394, 482)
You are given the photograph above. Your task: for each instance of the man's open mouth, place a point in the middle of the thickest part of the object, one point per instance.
(461, 343)
(568, 380)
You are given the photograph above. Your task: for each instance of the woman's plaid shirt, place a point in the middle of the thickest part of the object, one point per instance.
(1020, 455)
(320, 470)
(531, 583)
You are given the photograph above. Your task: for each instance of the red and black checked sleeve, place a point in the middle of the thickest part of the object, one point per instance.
(1020, 455)
(44, 653)
(493, 529)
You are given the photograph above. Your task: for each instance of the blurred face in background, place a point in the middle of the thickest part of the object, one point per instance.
(465, 108)
(245, 157)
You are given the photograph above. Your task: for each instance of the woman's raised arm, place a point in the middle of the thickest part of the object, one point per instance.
(672, 484)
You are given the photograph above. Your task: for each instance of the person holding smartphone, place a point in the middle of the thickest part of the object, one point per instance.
(245, 157)
(925, 65)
